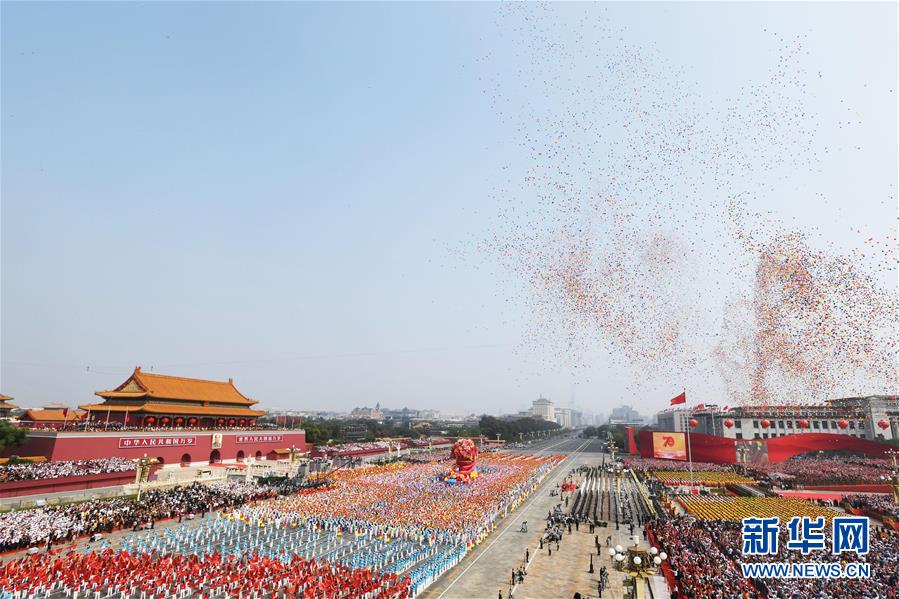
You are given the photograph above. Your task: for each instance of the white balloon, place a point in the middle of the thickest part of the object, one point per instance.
(637, 560)
(618, 548)
(657, 560)
(663, 555)
(653, 550)
(619, 557)
(612, 551)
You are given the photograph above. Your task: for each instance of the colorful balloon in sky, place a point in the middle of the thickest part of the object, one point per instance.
(632, 226)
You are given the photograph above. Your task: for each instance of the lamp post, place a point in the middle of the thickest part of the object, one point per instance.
(143, 472)
(894, 476)
(294, 454)
(742, 451)
(638, 563)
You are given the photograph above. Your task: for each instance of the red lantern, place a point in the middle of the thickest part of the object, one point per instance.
(241, 422)
(693, 423)
(765, 423)
(179, 420)
(165, 420)
(843, 424)
(151, 420)
(220, 421)
(728, 423)
(231, 421)
(192, 421)
(883, 424)
(803, 423)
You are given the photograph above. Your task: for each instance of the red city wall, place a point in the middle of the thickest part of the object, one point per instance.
(721, 450)
(59, 446)
(66, 483)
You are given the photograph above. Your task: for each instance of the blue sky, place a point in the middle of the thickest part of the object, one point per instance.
(293, 195)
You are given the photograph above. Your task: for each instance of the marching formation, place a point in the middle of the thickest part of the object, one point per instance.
(374, 531)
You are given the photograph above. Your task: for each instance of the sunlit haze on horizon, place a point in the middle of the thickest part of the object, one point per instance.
(459, 207)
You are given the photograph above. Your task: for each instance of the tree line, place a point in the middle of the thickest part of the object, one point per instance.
(321, 430)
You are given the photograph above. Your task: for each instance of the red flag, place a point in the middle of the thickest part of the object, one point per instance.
(699, 406)
(682, 398)
(126, 418)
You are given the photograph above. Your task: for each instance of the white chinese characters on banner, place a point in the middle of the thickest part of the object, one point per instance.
(144, 442)
(243, 439)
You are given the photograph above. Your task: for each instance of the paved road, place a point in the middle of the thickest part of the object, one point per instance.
(488, 568)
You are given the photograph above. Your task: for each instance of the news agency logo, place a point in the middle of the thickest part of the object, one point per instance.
(805, 534)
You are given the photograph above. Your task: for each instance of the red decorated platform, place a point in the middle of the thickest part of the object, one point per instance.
(723, 450)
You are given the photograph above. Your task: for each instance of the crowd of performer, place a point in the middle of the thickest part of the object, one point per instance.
(56, 524)
(117, 574)
(402, 526)
(16, 471)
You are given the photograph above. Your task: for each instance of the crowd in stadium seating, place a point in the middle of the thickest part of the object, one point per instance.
(734, 509)
(703, 566)
(813, 471)
(704, 557)
(17, 471)
(878, 504)
(435, 455)
(25, 528)
(650, 464)
(350, 448)
(714, 479)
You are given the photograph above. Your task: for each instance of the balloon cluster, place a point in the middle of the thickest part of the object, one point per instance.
(464, 452)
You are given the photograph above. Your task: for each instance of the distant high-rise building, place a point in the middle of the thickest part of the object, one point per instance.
(544, 408)
(563, 417)
(626, 415)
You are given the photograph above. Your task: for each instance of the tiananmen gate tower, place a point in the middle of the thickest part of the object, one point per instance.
(178, 421)
(161, 401)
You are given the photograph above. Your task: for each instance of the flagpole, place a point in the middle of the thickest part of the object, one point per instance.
(689, 448)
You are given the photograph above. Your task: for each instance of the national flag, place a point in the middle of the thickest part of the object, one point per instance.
(699, 406)
(680, 399)
(126, 418)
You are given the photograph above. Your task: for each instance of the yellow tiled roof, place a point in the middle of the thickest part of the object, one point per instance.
(161, 386)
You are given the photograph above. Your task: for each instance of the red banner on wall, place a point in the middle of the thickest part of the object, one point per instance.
(243, 439)
(142, 442)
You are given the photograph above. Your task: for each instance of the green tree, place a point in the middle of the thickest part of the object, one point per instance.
(11, 436)
(513, 430)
